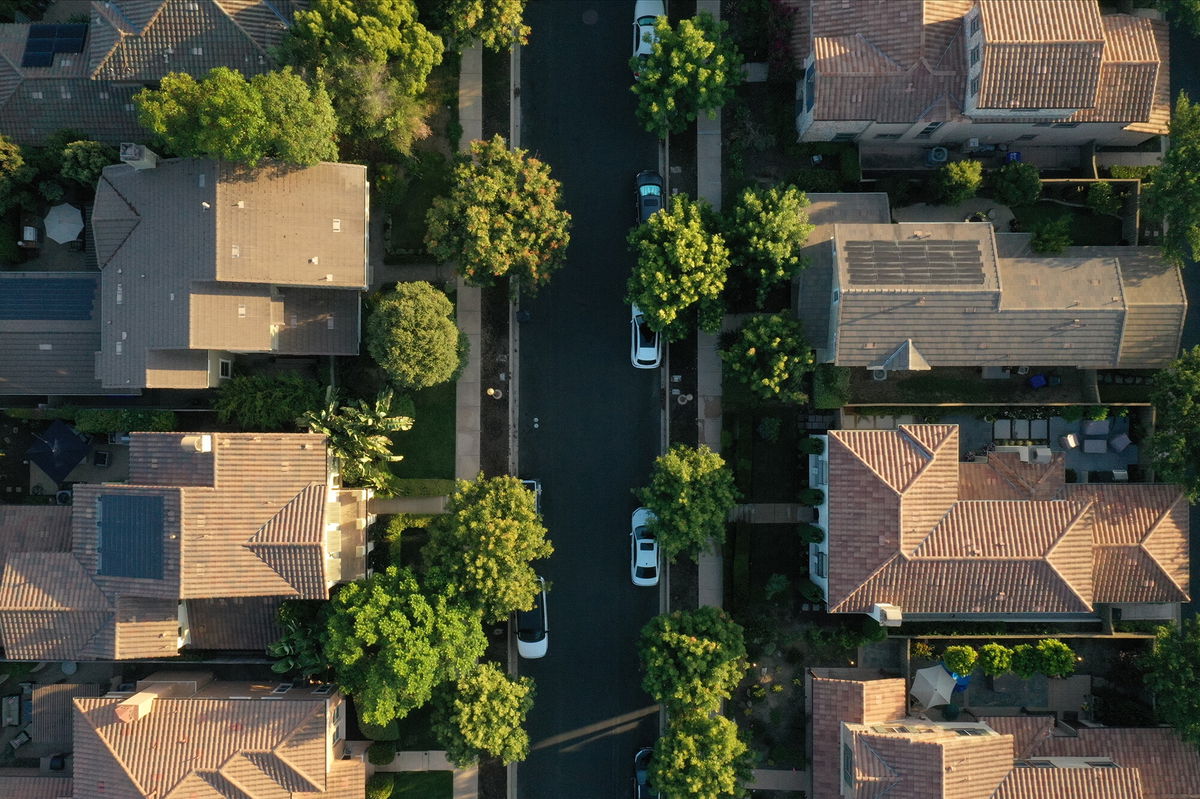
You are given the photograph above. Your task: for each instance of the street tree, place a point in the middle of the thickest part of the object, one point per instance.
(700, 756)
(1172, 672)
(497, 24)
(682, 265)
(692, 659)
(360, 437)
(411, 334)
(482, 551)
(765, 231)
(390, 644)
(770, 356)
(267, 402)
(1016, 184)
(84, 160)
(691, 492)
(692, 68)
(1175, 445)
(958, 181)
(483, 713)
(501, 218)
(1173, 197)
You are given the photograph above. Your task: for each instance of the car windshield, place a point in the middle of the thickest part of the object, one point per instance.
(650, 190)
(646, 22)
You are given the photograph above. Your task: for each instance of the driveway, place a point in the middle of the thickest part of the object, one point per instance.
(597, 424)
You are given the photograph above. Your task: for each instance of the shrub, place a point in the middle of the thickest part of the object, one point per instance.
(921, 650)
(1054, 658)
(960, 659)
(1016, 184)
(958, 181)
(831, 386)
(810, 533)
(768, 428)
(1024, 661)
(811, 592)
(770, 356)
(268, 402)
(380, 785)
(123, 420)
(1095, 413)
(381, 753)
(1071, 413)
(811, 179)
(811, 446)
(411, 334)
(1103, 199)
(812, 497)
(1124, 172)
(776, 584)
(995, 659)
(898, 188)
(1052, 236)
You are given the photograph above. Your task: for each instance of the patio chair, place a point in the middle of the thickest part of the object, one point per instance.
(1039, 429)
(1119, 443)
(1095, 446)
(1002, 429)
(1069, 441)
(1098, 427)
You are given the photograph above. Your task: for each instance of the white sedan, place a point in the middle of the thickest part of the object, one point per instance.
(533, 629)
(645, 344)
(643, 549)
(645, 17)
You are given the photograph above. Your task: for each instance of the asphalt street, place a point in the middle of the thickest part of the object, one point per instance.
(589, 420)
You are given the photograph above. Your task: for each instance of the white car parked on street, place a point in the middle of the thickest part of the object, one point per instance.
(643, 549)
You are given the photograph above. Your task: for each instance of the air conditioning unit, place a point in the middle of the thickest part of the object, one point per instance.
(887, 615)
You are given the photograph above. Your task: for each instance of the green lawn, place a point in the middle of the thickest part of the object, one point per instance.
(424, 785)
(428, 448)
(1087, 229)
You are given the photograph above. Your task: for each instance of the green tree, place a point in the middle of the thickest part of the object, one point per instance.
(700, 757)
(373, 107)
(301, 649)
(960, 659)
(770, 357)
(483, 712)
(1174, 196)
(84, 160)
(958, 181)
(1055, 659)
(1024, 661)
(765, 232)
(1172, 673)
(15, 175)
(360, 437)
(692, 68)
(681, 269)
(501, 218)
(497, 24)
(267, 402)
(1016, 184)
(692, 659)
(390, 644)
(275, 115)
(412, 335)
(1183, 13)
(691, 493)
(481, 552)
(1052, 236)
(1102, 198)
(1175, 445)
(995, 659)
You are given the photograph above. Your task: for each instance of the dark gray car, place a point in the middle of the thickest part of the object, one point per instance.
(648, 185)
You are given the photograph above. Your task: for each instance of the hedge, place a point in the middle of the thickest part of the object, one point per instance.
(831, 386)
(124, 420)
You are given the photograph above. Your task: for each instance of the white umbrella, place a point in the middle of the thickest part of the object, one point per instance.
(932, 686)
(64, 223)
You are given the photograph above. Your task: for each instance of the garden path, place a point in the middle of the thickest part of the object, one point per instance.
(392, 505)
(771, 513)
(1001, 215)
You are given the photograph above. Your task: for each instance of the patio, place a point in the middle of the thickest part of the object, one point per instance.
(103, 463)
(890, 156)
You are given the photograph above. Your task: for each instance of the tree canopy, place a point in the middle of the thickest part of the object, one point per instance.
(1174, 195)
(691, 493)
(390, 645)
(482, 550)
(770, 356)
(14, 173)
(1173, 672)
(682, 265)
(273, 115)
(957, 181)
(1016, 184)
(1175, 445)
(412, 335)
(84, 160)
(765, 232)
(1052, 236)
(267, 402)
(501, 218)
(497, 24)
(483, 712)
(692, 68)
(692, 659)
(700, 756)
(360, 437)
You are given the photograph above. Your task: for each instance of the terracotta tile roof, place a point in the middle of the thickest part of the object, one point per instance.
(34, 528)
(1027, 731)
(35, 787)
(1076, 783)
(52, 711)
(1169, 767)
(854, 701)
(942, 764)
(1018, 540)
(50, 607)
(1160, 110)
(234, 622)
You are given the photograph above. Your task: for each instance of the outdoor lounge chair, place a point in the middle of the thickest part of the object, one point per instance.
(1002, 429)
(1099, 427)
(1069, 441)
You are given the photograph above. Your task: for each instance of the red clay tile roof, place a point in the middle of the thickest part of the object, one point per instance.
(941, 764)
(39, 787)
(1018, 540)
(857, 701)
(1071, 783)
(1027, 731)
(1169, 767)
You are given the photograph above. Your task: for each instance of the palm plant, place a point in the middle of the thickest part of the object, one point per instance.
(359, 436)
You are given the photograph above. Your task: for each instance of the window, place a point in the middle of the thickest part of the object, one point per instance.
(282, 688)
(821, 564)
(847, 765)
(845, 136)
(1041, 124)
(929, 130)
(225, 368)
(974, 24)
(1066, 124)
(810, 87)
(1027, 137)
(974, 55)
(970, 731)
(889, 136)
(974, 85)
(1101, 764)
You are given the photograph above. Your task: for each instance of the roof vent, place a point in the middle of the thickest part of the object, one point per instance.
(138, 156)
(196, 443)
(316, 259)
(240, 203)
(328, 278)
(337, 226)
(205, 205)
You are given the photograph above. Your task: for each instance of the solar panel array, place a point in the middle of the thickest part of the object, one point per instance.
(46, 40)
(915, 262)
(131, 536)
(47, 298)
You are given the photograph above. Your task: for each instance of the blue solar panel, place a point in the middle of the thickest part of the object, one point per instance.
(41, 31)
(37, 59)
(72, 31)
(131, 535)
(39, 46)
(51, 39)
(68, 45)
(47, 298)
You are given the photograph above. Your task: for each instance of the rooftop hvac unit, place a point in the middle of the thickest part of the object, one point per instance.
(138, 156)
(887, 615)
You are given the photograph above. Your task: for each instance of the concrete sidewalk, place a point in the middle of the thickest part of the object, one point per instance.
(467, 398)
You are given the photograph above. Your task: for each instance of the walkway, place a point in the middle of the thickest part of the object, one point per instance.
(466, 440)
(466, 780)
(382, 506)
(772, 513)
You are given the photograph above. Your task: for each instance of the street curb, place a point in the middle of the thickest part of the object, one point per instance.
(514, 353)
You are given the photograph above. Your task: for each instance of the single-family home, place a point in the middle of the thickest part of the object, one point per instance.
(913, 533)
(198, 548)
(865, 743)
(83, 75)
(916, 296)
(978, 72)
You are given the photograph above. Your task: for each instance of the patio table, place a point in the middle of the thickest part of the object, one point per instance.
(1097, 428)
(1021, 428)
(1095, 446)
(1002, 429)
(1039, 429)
(1120, 443)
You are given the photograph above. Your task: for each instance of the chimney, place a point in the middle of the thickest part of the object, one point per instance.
(196, 443)
(137, 706)
(138, 156)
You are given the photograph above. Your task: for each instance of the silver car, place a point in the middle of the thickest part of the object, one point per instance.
(645, 17)
(645, 344)
(533, 629)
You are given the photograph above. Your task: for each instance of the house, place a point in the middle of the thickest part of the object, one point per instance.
(210, 533)
(185, 734)
(913, 533)
(865, 743)
(915, 296)
(83, 76)
(978, 72)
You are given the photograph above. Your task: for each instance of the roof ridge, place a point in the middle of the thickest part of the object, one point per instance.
(889, 562)
(1086, 509)
(858, 457)
(112, 752)
(315, 714)
(221, 7)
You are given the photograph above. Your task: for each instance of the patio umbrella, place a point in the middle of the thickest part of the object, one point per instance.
(64, 223)
(58, 450)
(932, 686)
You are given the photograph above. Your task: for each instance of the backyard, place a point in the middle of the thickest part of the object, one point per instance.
(1087, 228)
(966, 385)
